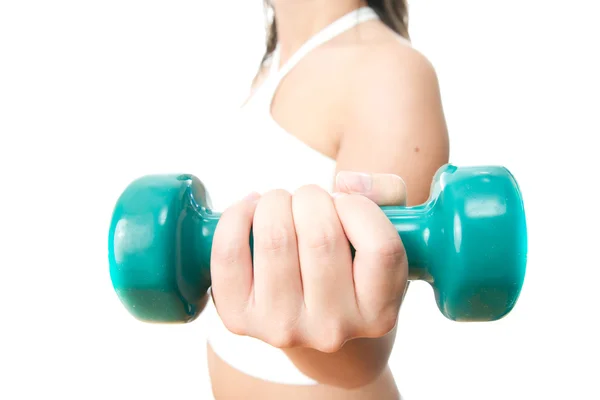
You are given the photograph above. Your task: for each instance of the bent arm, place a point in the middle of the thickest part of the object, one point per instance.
(393, 123)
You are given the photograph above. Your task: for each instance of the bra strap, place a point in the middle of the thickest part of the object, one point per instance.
(339, 26)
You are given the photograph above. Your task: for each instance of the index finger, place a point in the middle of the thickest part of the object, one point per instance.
(380, 267)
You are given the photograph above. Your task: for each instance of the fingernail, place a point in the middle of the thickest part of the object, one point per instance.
(354, 182)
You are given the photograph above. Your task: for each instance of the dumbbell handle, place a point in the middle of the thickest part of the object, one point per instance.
(411, 223)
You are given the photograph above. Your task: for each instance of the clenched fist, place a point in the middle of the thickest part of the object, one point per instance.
(300, 286)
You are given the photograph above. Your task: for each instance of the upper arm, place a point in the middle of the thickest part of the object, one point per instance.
(394, 121)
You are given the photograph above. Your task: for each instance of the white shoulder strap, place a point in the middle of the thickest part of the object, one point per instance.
(339, 26)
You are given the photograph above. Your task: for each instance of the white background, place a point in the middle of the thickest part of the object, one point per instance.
(96, 93)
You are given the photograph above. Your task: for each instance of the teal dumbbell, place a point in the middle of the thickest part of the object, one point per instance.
(469, 241)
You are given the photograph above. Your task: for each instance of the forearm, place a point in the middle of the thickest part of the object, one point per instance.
(356, 364)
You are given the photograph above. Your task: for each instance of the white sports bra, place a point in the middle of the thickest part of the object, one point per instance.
(268, 158)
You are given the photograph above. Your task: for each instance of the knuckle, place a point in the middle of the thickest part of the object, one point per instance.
(316, 220)
(329, 346)
(385, 322)
(278, 329)
(235, 324)
(331, 339)
(391, 248)
(273, 228)
(323, 238)
(379, 322)
(275, 237)
(281, 338)
(226, 252)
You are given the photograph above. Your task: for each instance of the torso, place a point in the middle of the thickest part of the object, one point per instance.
(299, 119)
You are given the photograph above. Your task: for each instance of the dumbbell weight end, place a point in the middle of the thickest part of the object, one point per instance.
(159, 246)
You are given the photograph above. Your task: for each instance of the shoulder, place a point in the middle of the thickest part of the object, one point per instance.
(393, 119)
(395, 71)
(391, 82)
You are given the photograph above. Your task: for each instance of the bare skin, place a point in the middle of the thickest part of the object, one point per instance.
(229, 383)
(365, 89)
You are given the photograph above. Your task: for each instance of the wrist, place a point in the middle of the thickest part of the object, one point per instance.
(357, 364)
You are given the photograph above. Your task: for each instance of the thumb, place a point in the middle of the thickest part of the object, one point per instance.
(382, 189)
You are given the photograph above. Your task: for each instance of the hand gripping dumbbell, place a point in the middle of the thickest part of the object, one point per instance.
(469, 241)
